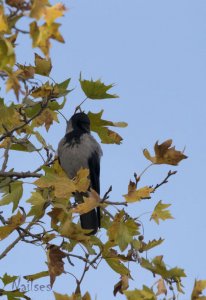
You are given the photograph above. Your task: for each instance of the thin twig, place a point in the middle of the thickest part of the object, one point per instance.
(165, 180)
(106, 195)
(116, 203)
(79, 106)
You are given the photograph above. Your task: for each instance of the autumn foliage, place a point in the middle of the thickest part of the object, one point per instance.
(37, 105)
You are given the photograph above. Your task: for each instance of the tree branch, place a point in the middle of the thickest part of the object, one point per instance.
(165, 180)
(20, 174)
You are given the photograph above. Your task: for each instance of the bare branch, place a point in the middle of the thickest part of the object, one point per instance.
(165, 180)
(20, 174)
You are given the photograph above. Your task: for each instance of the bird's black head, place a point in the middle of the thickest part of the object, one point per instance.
(79, 121)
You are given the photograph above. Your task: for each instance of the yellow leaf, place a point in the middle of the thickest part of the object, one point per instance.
(81, 180)
(42, 66)
(56, 178)
(7, 54)
(12, 223)
(10, 118)
(54, 12)
(13, 82)
(45, 118)
(3, 21)
(41, 35)
(199, 286)
(165, 154)
(160, 212)
(137, 195)
(38, 8)
(89, 203)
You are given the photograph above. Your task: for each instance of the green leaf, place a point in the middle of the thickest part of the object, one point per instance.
(157, 266)
(6, 279)
(7, 54)
(43, 66)
(122, 232)
(99, 126)
(38, 203)
(160, 212)
(151, 244)
(36, 276)
(96, 89)
(144, 294)
(14, 295)
(12, 194)
(117, 266)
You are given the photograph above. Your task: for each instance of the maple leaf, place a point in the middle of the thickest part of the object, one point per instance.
(7, 279)
(144, 294)
(54, 12)
(12, 194)
(25, 72)
(165, 154)
(55, 262)
(38, 203)
(106, 135)
(41, 36)
(10, 118)
(157, 266)
(96, 89)
(122, 231)
(160, 212)
(150, 245)
(55, 177)
(7, 54)
(13, 83)
(14, 222)
(3, 21)
(135, 195)
(38, 8)
(122, 285)
(46, 118)
(198, 288)
(89, 203)
(42, 66)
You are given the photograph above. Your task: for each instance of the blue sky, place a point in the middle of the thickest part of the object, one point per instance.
(155, 53)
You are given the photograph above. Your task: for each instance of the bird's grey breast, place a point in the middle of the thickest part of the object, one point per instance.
(75, 155)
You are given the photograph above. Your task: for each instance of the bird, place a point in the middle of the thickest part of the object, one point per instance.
(79, 149)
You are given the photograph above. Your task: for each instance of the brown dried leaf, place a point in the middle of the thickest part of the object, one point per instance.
(55, 262)
(161, 287)
(122, 285)
(165, 154)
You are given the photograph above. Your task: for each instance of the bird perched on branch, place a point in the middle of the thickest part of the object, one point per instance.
(78, 149)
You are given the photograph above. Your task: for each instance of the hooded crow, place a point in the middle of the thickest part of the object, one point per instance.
(78, 149)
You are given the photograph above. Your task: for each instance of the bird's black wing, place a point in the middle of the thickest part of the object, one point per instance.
(94, 171)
